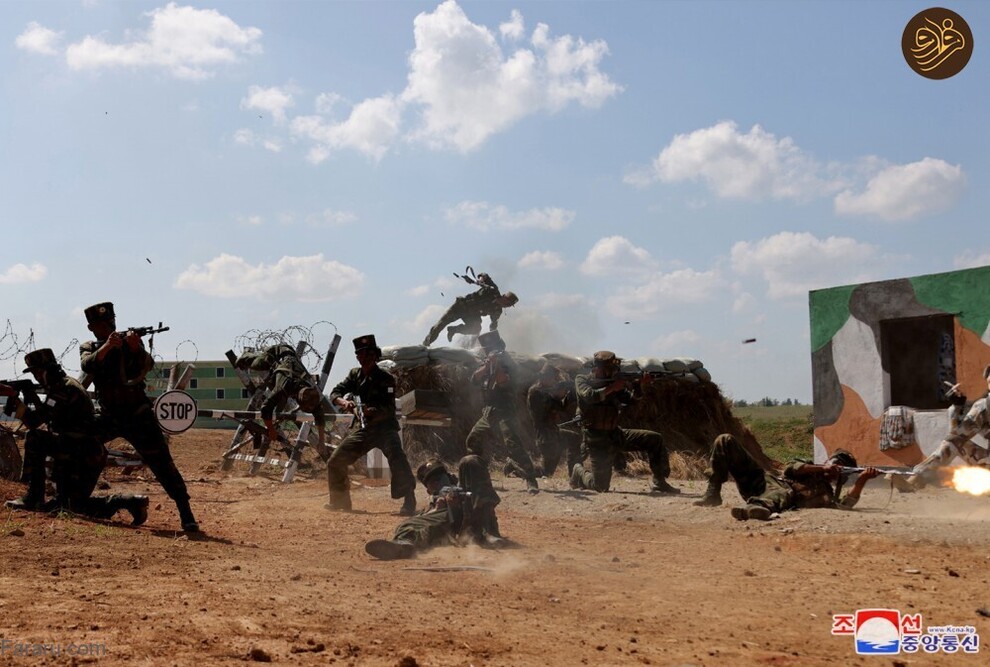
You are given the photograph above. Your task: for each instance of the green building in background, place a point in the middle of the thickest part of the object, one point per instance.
(214, 385)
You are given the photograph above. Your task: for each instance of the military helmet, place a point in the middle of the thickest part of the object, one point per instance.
(100, 312)
(606, 359)
(491, 341)
(511, 298)
(844, 458)
(38, 359)
(429, 470)
(309, 399)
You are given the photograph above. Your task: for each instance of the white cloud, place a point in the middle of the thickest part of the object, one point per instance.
(330, 218)
(253, 220)
(794, 263)
(370, 129)
(273, 101)
(902, 192)
(674, 343)
(684, 286)
(306, 279)
(484, 216)
(547, 260)
(425, 319)
(326, 103)
(467, 89)
(971, 260)
(419, 290)
(755, 165)
(514, 28)
(187, 42)
(617, 255)
(743, 302)
(273, 145)
(36, 38)
(22, 273)
(245, 137)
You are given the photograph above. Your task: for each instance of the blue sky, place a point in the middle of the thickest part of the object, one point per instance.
(657, 178)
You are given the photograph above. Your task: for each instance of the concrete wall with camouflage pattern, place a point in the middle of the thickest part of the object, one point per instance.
(851, 370)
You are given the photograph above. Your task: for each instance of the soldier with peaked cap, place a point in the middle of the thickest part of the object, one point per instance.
(118, 365)
(498, 416)
(72, 442)
(287, 378)
(459, 510)
(600, 397)
(487, 300)
(802, 484)
(376, 390)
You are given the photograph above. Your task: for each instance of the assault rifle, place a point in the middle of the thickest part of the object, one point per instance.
(145, 331)
(848, 470)
(26, 388)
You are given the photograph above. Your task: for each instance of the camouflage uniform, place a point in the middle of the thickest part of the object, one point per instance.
(286, 376)
(377, 392)
(469, 308)
(548, 406)
(452, 513)
(759, 487)
(498, 417)
(960, 443)
(126, 411)
(603, 439)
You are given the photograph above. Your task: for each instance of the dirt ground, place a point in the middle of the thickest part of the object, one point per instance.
(622, 578)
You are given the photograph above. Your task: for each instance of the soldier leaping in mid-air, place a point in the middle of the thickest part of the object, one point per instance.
(487, 300)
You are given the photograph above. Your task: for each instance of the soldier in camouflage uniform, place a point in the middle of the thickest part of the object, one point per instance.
(498, 417)
(485, 301)
(375, 389)
(964, 427)
(600, 398)
(551, 401)
(118, 365)
(802, 484)
(456, 512)
(72, 442)
(287, 378)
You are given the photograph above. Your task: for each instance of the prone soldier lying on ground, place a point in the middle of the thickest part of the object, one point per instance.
(71, 440)
(801, 484)
(487, 300)
(456, 513)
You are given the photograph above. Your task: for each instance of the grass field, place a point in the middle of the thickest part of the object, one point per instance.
(783, 431)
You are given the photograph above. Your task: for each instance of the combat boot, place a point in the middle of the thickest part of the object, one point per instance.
(408, 505)
(28, 502)
(390, 549)
(340, 501)
(186, 518)
(757, 512)
(137, 507)
(659, 485)
(712, 497)
(577, 476)
(532, 486)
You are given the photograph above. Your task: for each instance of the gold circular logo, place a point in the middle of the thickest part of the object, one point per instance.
(937, 43)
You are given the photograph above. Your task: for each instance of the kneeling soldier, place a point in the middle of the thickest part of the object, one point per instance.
(72, 442)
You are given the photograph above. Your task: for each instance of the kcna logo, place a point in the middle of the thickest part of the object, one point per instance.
(888, 632)
(937, 43)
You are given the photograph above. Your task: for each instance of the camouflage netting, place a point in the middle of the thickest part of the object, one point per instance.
(683, 405)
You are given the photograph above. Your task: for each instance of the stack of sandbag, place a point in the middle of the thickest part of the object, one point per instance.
(568, 364)
(456, 355)
(406, 356)
(683, 368)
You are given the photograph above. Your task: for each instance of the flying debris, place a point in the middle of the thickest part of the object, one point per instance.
(627, 322)
(147, 260)
(746, 341)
